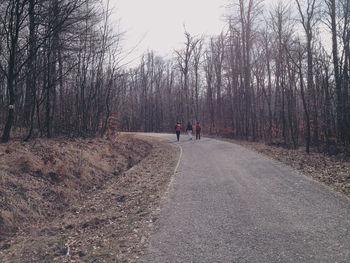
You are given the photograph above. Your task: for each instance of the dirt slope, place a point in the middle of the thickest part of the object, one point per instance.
(78, 200)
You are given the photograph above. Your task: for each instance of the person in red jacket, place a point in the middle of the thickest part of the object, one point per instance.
(178, 130)
(198, 131)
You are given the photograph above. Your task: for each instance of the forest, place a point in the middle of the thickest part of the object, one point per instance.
(279, 75)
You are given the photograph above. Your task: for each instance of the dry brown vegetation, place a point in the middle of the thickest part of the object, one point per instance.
(78, 200)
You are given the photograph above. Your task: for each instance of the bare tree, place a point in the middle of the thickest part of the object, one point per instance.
(66, 50)
(197, 55)
(13, 20)
(218, 51)
(184, 59)
(308, 19)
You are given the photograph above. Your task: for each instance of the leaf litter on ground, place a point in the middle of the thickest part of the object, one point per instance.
(91, 200)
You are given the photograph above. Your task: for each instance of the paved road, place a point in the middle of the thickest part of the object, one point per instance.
(229, 204)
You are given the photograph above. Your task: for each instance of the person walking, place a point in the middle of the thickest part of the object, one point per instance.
(189, 130)
(178, 130)
(198, 131)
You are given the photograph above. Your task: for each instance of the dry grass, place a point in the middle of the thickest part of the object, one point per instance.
(79, 201)
(41, 179)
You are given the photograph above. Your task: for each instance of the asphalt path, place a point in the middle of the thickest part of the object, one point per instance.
(229, 204)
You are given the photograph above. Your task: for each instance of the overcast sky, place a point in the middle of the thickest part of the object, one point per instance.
(159, 24)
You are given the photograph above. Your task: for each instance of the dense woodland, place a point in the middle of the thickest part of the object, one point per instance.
(279, 74)
(58, 67)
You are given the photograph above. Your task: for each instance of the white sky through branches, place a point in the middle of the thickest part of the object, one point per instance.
(159, 24)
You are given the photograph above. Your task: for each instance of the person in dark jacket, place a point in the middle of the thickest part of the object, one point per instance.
(198, 131)
(189, 130)
(178, 130)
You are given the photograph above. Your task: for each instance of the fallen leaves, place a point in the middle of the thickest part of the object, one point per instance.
(111, 222)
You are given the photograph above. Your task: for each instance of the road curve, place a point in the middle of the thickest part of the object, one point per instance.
(229, 204)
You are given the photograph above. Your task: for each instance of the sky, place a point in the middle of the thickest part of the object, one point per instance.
(159, 24)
